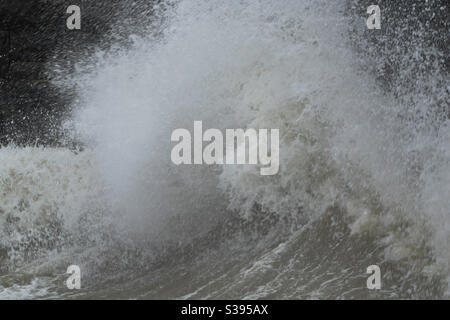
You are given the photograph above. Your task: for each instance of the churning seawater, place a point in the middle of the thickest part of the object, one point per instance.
(362, 181)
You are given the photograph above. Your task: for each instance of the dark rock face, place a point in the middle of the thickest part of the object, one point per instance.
(411, 46)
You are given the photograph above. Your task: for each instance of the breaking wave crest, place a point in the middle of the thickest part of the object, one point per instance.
(362, 181)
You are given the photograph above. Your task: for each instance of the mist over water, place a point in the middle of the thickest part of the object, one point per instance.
(364, 173)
